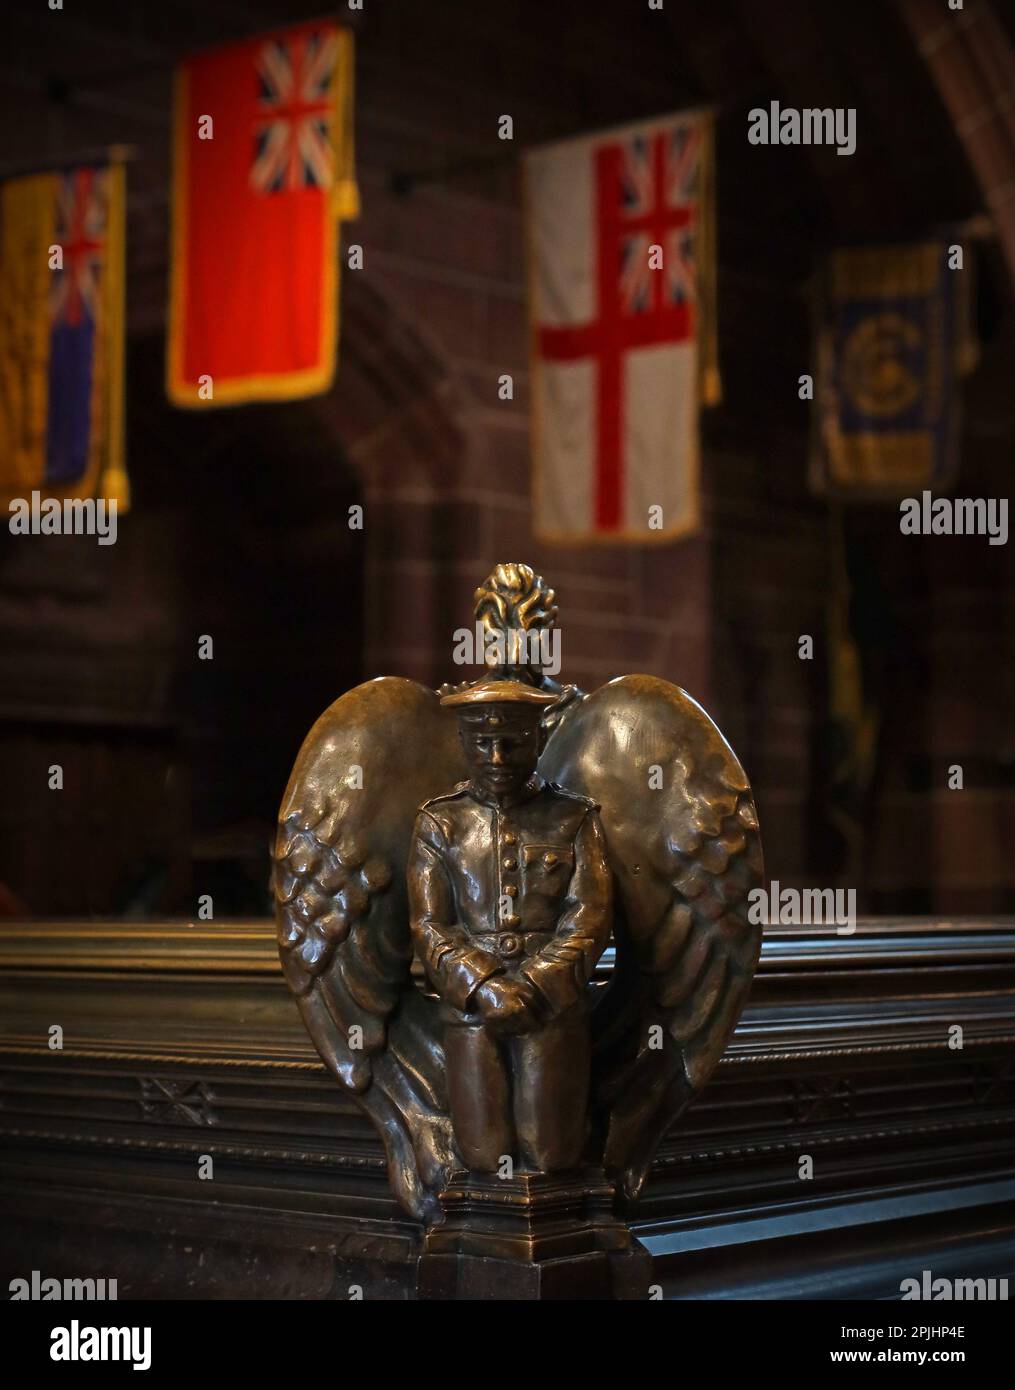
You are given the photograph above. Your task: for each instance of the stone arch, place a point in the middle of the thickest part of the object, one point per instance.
(972, 63)
(396, 409)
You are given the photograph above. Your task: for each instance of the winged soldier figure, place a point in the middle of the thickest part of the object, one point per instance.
(450, 865)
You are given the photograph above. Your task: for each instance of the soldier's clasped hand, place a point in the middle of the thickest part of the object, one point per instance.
(509, 1005)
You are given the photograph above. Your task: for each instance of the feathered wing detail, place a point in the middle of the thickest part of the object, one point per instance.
(343, 919)
(683, 841)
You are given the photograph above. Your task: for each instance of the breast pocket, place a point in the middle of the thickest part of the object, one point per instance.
(547, 870)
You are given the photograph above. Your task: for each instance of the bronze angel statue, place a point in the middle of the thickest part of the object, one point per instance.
(451, 865)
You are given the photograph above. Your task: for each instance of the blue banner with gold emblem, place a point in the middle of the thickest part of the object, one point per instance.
(892, 340)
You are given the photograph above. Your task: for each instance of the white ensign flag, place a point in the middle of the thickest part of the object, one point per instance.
(622, 317)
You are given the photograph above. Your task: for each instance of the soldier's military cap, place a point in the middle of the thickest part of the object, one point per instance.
(480, 702)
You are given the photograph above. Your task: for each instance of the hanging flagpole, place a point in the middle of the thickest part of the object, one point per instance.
(95, 154)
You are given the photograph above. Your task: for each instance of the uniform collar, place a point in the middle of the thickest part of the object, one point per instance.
(532, 788)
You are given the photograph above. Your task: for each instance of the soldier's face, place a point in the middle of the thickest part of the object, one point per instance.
(503, 756)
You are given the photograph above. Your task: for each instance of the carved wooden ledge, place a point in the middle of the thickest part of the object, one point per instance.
(181, 1040)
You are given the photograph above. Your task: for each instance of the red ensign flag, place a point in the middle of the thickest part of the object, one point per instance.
(262, 175)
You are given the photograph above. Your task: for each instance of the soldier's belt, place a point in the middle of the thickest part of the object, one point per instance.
(511, 945)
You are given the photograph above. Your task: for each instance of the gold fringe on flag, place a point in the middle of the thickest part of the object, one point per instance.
(114, 483)
(345, 193)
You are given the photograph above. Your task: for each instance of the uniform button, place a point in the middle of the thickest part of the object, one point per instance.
(511, 920)
(549, 860)
(511, 889)
(511, 863)
(510, 839)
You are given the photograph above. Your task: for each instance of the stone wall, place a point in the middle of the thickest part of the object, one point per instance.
(415, 430)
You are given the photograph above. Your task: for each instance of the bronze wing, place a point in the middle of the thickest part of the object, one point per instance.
(683, 840)
(343, 919)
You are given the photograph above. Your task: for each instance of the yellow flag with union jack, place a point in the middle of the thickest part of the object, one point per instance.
(62, 253)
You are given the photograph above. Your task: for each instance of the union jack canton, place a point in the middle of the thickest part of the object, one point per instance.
(292, 143)
(658, 189)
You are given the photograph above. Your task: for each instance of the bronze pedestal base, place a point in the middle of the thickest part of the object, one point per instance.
(533, 1236)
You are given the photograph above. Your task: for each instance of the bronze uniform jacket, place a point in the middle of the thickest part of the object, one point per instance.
(526, 888)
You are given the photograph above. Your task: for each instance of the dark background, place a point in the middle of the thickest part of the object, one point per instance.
(174, 767)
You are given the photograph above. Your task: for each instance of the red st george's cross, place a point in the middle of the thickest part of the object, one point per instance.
(80, 228)
(292, 147)
(643, 191)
